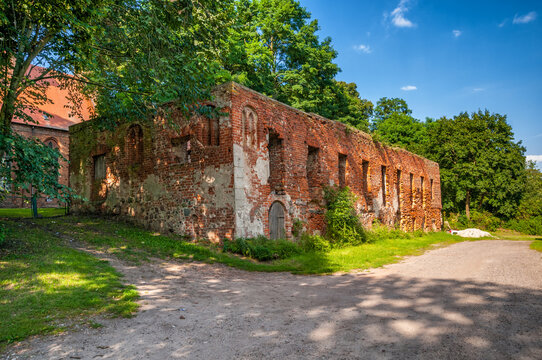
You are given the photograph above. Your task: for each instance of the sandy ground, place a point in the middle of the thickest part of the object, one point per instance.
(472, 300)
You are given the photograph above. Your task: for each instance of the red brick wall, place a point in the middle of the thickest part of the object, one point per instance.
(183, 184)
(45, 134)
(332, 141)
(217, 180)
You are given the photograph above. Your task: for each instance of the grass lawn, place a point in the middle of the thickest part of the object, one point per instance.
(27, 213)
(46, 286)
(135, 244)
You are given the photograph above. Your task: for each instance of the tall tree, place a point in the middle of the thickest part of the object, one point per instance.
(128, 55)
(393, 123)
(481, 165)
(531, 201)
(273, 47)
(349, 107)
(388, 107)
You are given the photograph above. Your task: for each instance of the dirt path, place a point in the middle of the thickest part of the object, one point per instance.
(470, 300)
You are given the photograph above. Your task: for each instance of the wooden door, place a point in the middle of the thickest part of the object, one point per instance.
(276, 221)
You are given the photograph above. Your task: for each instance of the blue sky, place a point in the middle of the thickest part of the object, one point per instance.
(443, 57)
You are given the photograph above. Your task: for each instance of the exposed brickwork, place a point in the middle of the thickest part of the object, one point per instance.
(219, 178)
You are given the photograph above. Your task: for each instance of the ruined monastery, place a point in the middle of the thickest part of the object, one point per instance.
(256, 169)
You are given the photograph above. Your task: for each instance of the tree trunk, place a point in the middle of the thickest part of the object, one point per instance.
(467, 205)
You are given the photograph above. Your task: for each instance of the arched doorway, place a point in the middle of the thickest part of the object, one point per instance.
(276, 221)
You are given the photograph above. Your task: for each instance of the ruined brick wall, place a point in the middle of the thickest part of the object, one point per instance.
(220, 179)
(59, 139)
(284, 155)
(169, 180)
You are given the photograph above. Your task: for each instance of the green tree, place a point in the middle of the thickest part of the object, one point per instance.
(128, 55)
(30, 167)
(481, 165)
(393, 124)
(387, 107)
(273, 48)
(531, 201)
(350, 108)
(151, 52)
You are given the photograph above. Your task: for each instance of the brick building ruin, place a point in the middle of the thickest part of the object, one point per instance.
(255, 169)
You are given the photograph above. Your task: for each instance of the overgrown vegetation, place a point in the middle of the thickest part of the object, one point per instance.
(47, 286)
(261, 248)
(343, 226)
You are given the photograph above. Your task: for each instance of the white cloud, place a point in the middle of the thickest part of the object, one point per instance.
(457, 33)
(537, 158)
(409, 88)
(398, 15)
(478, 89)
(503, 23)
(524, 19)
(363, 48)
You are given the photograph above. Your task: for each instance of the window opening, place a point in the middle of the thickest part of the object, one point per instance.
(383, 177)
(342, 170)
(99, 167)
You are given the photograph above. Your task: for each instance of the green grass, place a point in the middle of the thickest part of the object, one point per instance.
(134, 244)
(27, 213)
(46, 286)
(369, 255)
(506, 234)
(537, 244)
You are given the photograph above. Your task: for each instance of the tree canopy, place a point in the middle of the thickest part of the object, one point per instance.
(480, 162)
(130, 56)
(273, 47)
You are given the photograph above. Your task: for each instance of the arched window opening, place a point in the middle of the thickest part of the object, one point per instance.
(52, 143)
(134, 145)
(276, 221)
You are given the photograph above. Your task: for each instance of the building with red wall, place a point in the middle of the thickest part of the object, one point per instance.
(256, 169)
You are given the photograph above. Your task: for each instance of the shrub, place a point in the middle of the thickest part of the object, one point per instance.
(261, 248)
(343, 225)
(314, 243)
(531, 226)
(481, 220)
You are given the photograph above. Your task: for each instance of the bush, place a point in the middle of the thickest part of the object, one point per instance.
(314, 243)
(343, 224)
(480, 220)
(261, 248)
(531, 226)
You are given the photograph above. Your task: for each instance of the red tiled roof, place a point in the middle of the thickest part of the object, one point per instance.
(60, 115)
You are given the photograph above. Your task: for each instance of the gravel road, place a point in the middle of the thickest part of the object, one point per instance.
(471, 300)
